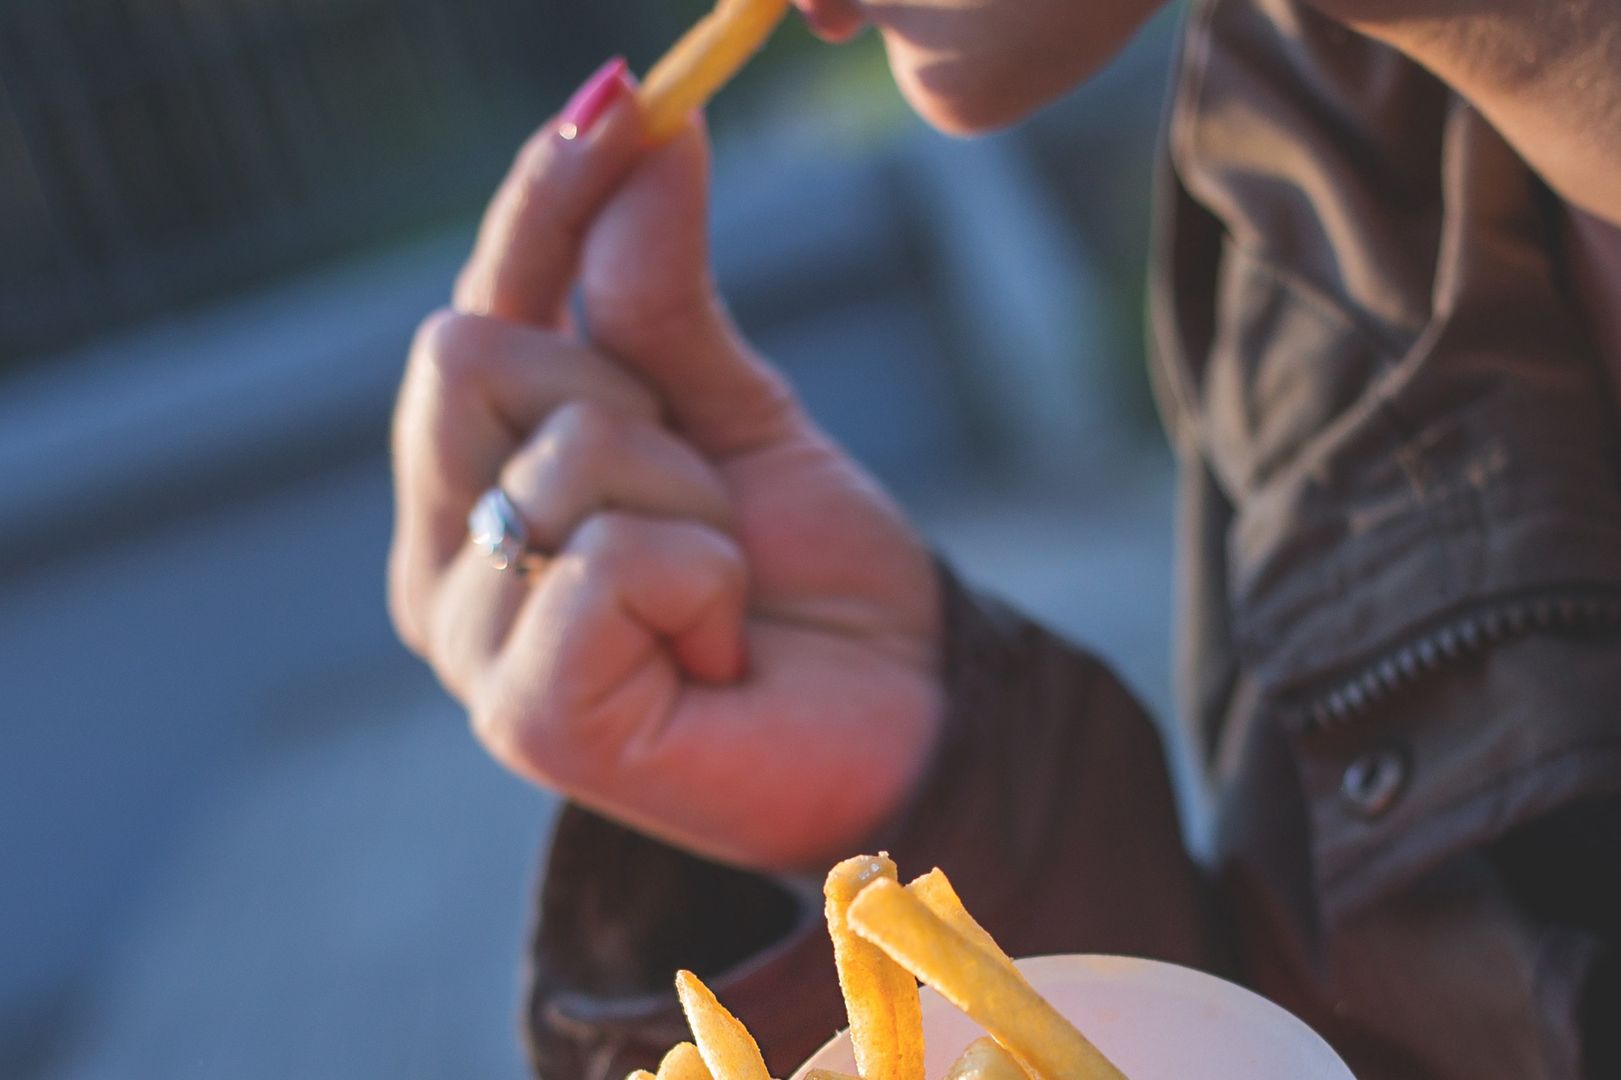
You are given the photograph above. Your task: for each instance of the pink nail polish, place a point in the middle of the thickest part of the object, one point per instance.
(599, 92)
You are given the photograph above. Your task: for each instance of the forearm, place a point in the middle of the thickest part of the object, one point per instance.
(1546, 74)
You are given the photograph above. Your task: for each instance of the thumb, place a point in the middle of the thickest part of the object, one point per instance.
(650, 301)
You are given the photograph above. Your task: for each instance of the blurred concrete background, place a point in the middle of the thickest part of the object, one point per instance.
(244, 834)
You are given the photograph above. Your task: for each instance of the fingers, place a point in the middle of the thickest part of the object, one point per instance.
(630, 224)
(650, 302)
(527, 253)
(593, 664)
(474, 390)
(469, 612)
(587, 458)
(476, 387)
(584, 460)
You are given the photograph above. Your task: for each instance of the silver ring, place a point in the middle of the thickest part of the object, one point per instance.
(497, 529)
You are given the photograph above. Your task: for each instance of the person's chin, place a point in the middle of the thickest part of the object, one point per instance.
(957, 106)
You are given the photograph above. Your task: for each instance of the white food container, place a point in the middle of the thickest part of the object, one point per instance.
(1155, 1021)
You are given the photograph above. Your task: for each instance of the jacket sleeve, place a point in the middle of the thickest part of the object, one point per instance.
(1047, 802)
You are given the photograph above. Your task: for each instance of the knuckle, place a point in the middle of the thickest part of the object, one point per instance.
(536, 187)
(449, 348)
(717, 561)
(533, 162)
(733, 567)
(495, 722)
(563, 462)
(584, 433)
(634, 398)
(401, 610)
(534, 737)
(609, 541)
(399, 614)
(508, 734)
(644, 321)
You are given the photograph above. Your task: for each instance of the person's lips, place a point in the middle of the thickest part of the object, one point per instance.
(832, 20)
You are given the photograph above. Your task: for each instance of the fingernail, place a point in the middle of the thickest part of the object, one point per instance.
(593, 98)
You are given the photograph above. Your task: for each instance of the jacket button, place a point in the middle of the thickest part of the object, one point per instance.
(1373, 781)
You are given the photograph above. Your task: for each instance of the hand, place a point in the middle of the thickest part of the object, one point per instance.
(734, 646)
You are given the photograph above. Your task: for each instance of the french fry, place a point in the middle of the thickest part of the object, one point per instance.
(829, 1074)
(985, 1060)
(704, 60)
(683, 1062)
(937, 894)
(978, 983)
(880, 996)
(728, 1050)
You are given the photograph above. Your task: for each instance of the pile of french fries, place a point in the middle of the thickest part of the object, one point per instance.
(886, 938)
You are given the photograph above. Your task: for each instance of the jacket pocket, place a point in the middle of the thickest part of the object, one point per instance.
(1423, 568)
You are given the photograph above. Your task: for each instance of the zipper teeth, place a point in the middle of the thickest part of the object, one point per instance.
(1375, 682)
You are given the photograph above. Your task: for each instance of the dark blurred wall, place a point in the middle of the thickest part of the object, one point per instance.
(158, 152)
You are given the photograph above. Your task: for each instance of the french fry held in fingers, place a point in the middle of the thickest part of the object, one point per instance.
(683, 1062)
(985, 1060)
(704, 60)
(880, 996)
(728, 1050)
(978, 983)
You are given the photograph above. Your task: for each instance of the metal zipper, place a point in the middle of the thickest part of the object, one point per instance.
(1349, 698)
